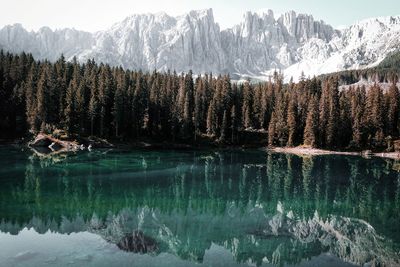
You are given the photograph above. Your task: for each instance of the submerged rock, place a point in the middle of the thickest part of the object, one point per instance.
(137, 242)
(95, 142)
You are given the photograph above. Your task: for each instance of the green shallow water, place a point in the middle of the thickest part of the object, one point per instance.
(197, 208)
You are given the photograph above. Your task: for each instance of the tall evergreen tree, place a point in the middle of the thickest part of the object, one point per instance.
(392, 99)
(311, 129)
(93, 110)
(333, 115)
(70, 112)
(30, 99)
(272, 139)
(292, 124)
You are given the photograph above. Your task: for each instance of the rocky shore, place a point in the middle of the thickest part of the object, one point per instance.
(309, 151)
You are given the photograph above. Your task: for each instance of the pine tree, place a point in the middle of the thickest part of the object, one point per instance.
(272, 130)
(70, 113)
(118, 109)
(210, 120)
(154, 105)
(357, 104)
(393, 110)
(93, 110)
(139, 104)
(333, 115)
(198, 106)
(30, 99)
(247, 106)
(43, 98)
(257, 107)
(344, 130)
(60, 70)
(357, 127)
(264, 118)
(311, 129)
(187, 117)
(234, 126)
(281, 127)
(373, 117)
(292, 123)
(224, 127)
(81, 97)
(324, 111)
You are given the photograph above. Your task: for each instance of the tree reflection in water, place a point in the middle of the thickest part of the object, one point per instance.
(273, 208)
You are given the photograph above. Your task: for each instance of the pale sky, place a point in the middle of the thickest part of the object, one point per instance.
(93, 15)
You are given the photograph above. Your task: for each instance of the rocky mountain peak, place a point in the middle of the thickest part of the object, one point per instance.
(257, 46)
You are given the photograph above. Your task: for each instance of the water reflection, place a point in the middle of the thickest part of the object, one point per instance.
(263, 208)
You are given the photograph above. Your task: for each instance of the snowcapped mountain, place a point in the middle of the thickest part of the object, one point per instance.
(259, 45)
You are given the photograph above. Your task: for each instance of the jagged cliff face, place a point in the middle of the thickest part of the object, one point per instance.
(256, 47)
(161, 42)
(263, 43)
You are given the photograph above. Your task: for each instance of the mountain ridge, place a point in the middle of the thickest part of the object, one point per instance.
(255, 48)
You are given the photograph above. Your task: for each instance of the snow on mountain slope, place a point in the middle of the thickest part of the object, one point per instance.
(259, 45)
(362, 45)
(45, 43)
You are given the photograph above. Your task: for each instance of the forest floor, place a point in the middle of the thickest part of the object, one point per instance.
(308, 151)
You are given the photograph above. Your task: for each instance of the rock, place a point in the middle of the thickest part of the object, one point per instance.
(137, 242)
(47, 141)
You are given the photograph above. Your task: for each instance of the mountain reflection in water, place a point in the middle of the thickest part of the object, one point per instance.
(262, 209)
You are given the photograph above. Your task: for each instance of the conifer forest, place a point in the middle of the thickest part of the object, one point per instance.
(109, 102)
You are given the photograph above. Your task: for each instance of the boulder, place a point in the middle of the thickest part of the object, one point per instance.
(137, 242)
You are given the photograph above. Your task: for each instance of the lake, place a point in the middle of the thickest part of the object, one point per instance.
(197, 208)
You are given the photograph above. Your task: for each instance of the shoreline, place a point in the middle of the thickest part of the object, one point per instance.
(307, 151)
(299, 150)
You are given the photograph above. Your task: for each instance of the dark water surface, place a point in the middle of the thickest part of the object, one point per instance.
(197, 208)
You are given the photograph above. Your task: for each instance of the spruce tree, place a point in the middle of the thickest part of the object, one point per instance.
(210, 120)
(311, 129)
(292, 124)
(247, 107)
(43, 102)
(234, 124)
(333, 115)
(93, 110)
(224, 127)
(281, 127)
(393, 111)
(118, 109)
(70, 112)
(272, 130)
(30, 99)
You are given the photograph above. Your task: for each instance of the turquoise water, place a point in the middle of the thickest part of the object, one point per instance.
(197, 208)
